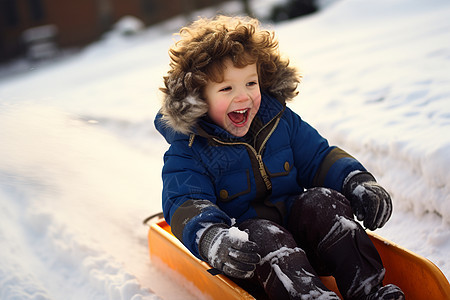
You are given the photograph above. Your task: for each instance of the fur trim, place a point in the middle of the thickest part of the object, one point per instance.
(182, 114)
(285, 84)
(182, 105)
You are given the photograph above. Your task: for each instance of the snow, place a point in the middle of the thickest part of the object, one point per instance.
(275, 255)
(237, 235)
(341, 224)
(80, 160)
(367, 285)
(285, 280)
(359, 191)
(274, 229)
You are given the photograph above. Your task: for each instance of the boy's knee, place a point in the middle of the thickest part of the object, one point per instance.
(322, 204)
(262, 229)
(315, 212)
(269, 236)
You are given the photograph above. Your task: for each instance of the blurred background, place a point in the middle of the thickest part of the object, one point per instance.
(45, 29)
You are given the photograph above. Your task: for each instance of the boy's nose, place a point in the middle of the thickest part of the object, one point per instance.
(241, 96)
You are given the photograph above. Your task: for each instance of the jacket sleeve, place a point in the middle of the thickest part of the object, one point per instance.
(188, 196)
(318, 163)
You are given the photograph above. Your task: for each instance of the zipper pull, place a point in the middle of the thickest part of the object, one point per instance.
(263, 172)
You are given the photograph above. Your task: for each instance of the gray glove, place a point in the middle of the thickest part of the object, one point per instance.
(371, 203)
(225, 251)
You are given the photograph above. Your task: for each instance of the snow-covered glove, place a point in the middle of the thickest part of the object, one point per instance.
(371, 203)
(229, 250)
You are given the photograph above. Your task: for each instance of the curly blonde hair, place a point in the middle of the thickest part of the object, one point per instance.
(199, 56)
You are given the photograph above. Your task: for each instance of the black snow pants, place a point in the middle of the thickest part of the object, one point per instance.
(321, 238)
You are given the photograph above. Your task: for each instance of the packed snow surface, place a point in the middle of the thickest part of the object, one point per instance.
(80, 160)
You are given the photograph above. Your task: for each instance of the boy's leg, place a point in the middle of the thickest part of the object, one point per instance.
(284, 271)
(321, 220)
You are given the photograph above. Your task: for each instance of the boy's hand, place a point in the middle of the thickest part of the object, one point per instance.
(227, 250)
(371, 203)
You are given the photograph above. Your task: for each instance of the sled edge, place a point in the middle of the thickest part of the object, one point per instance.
(417, 276)
(168, 249)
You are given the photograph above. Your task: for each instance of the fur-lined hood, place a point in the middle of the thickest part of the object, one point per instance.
(183, 105)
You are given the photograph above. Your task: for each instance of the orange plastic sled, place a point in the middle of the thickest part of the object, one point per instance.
(415, 275)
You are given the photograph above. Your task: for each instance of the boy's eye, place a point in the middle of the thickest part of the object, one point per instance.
(228, 88)
(252, 83)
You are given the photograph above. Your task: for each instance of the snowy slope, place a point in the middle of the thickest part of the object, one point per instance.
(80, 160)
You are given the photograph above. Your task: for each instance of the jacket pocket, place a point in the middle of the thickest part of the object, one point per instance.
(280, 163)
(232, 185)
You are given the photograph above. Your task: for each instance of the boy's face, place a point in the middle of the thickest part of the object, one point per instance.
(234, 102)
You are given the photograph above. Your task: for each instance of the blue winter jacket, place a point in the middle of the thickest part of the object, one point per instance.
(213, 177)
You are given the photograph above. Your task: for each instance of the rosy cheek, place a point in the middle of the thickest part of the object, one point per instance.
(217, 113)
(221, 110)
(257, 99)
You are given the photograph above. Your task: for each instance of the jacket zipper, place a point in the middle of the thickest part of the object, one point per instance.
(257, 155)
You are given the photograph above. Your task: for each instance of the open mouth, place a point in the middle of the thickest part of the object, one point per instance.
(239, 117)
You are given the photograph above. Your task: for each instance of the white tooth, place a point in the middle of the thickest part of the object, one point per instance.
(240, 111)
